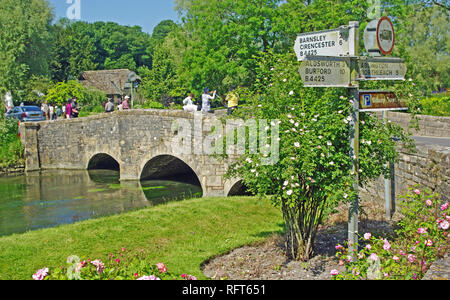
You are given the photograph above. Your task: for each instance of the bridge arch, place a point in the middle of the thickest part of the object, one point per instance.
(236, 187)
(103, 161)
(169, 167)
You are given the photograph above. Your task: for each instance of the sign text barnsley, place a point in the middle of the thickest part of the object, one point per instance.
(322, 43)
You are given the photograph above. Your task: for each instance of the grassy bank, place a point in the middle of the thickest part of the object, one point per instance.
(182, 235)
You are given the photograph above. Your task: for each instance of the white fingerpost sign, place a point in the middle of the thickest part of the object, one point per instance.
(333, 42)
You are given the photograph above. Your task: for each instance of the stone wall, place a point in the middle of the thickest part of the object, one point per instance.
(429, 167)
(429, 126)
(132, 138)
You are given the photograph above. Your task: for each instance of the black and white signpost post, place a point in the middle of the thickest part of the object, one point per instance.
(330, 58)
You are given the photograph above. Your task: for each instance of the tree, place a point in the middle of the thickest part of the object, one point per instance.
(425, 43)
(24, 42)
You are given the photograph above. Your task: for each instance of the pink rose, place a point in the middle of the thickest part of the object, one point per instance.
(428, 202)
(422, 230)
(161, 267)
(367, 236)
(374, 256)
(417, 192)
(445, 206)
(411, 258)
(444, 225)
(396, 258)
(334, 272)
(429, 243)
(386, 245)
(40, 274)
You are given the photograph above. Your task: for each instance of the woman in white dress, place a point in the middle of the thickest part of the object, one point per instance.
(206, 105)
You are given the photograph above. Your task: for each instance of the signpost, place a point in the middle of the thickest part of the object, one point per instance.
(330, 59)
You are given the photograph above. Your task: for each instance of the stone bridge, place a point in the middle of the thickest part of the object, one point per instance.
(137, 143)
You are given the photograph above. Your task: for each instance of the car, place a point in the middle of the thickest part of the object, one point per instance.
(26, 114)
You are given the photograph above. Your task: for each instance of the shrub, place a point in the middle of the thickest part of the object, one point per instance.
(120, 266)
(11, 149)
(422, 238)
(438, 105)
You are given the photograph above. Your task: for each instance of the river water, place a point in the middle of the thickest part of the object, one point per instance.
(51, 198)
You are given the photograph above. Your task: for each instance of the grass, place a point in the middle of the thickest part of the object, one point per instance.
(180, 234)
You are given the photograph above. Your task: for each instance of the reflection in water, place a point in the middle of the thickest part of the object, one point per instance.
(51, 198)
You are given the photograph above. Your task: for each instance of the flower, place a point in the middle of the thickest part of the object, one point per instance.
(386, 245)
(161, 267)
(117, 261)
(444, 225)
(428, 243)
(291, 93)
(428, 202)
(396, 258)
(417, 192)
(334, 272)
(338, 247)
(367, 236)
(373, 257)
(422, 230)
(444, 206)
(411, 258)
(40, 274)
(297, 144)
(289, 192)
(99, 265)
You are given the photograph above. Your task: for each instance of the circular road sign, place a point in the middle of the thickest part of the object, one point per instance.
(385, 35)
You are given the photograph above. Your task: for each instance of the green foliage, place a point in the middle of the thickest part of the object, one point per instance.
(424, 42)
(62, 91)
(25, 40)
(421, 239)
(11, 149)
(437, 105)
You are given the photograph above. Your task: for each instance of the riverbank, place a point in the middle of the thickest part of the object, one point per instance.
(18, 169)
(182, 235)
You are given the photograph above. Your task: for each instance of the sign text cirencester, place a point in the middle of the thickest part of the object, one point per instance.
(333, 42)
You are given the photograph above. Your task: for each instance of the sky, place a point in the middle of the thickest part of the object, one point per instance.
(144, 13)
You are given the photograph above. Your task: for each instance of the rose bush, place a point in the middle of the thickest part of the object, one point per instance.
(313, 171)
(422, 238)
(120, 266)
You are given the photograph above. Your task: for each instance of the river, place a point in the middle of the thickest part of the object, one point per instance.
(51, 198)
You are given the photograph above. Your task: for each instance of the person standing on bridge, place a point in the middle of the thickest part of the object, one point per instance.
(69, 109)
(233, 100)
(125, 103)
(206, 97)
(109, 107)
